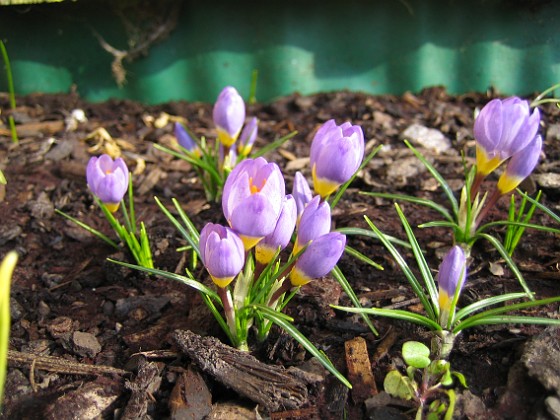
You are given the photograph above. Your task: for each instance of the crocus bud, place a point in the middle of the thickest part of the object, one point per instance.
(315, 221)
(336, 154)
(222, 253)
(248, 137)
(318, 259)
(229, 161)
(229, 115)
(452, 275)
(282, 234)
(520, 166)
(107, 180)
(501, 129)
(185, 140)
(252, 199)
(301, 192)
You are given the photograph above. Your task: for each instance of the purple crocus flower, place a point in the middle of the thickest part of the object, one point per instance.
(452, 275)
(248, 137)
(222, 253)
(336, 154)
(252, 199)
(315, 221)
(301, 192)
(228, 161)
(185, 140)
(108, 180)
(282, 234)
(229, 115)
(520, 166)
(318, 259)
(501, 129)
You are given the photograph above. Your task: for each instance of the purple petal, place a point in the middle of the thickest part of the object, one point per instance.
(254, 216)
(315, 221)
(321, 255)
(452, 271)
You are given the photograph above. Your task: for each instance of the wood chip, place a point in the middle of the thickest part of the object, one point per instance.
(273, 387)
(359, 370)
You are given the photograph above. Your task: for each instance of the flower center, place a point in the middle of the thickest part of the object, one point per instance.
(254, 188)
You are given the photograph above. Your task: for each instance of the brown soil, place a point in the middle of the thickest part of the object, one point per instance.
(63, 284)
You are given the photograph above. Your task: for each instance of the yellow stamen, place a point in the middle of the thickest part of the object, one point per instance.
(254, 188)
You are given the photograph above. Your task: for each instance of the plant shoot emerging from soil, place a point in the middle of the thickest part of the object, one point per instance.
(109, 181)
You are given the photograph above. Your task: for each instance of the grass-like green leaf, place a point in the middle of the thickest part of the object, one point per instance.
(395, 314)
(185, 232)
(438, 177)
(412, 199)
(416, 286)
(484, 303)
(337, 274)
(509, 261)
(7, 267)
(283, 322)
(421, 261)
(496, 313)
(358, 255)
(370, 234)
(91, 230)
(273, 146)
(172, 276)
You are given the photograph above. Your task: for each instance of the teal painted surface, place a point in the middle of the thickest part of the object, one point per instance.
(375, 46)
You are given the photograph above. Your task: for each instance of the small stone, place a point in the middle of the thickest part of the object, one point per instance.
(553, 406)
(428, 138)
(42, 208)
(85, 344)
(9, 232)
(548, 180)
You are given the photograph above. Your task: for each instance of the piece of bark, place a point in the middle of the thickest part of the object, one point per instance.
(359, 370)
(190, 397)
(143, 386)
(273, 387)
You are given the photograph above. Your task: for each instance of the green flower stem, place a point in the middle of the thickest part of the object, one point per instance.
(442, 343)
(229, 312)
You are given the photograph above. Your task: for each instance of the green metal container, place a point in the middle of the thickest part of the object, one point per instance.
(375, 46)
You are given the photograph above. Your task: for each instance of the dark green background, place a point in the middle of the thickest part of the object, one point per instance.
(376, 46)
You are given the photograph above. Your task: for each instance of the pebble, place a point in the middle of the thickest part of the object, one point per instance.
(548, 180)
(429, 138)
(9, 232)
(85, 344)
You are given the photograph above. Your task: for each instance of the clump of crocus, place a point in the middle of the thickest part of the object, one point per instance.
(222, 253)
(253, 199)
(336, 154)
(229, 115)
(502, 129)
(451, 278)
(107, 180)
